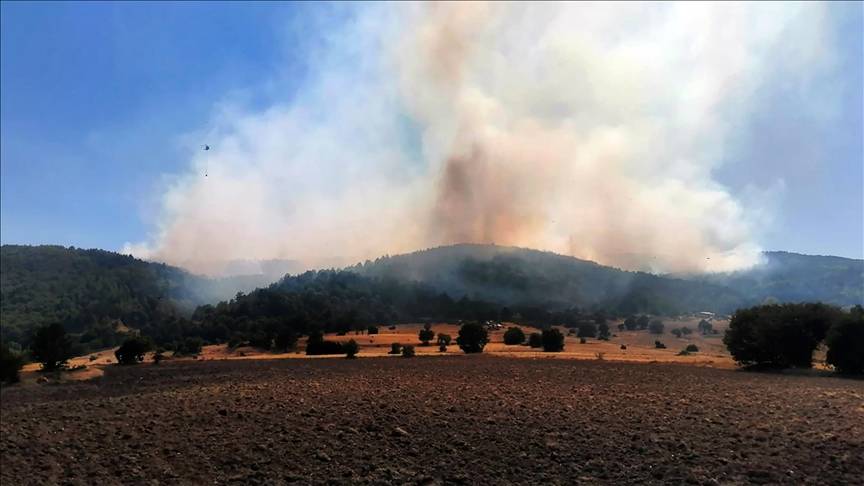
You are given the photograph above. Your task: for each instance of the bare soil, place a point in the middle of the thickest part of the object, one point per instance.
(452, 420)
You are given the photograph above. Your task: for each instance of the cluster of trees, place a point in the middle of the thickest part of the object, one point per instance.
(782, 336)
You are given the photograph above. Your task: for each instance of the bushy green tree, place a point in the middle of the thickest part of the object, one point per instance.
(845, 343)
(408, 351)
(444, 339)
(513, 336)
(472, 337)
(779, 336)
(132, 350)
(52, 347)
(587, 330)
(395, 348)
(553, 340)
(426, 334)
(656, 326)
(10, 364)
(535, 340)
(603, 333)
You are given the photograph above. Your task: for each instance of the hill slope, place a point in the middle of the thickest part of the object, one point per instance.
(85, 288)
(516, 275)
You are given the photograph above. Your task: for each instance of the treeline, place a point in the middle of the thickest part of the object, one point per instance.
(784, 336)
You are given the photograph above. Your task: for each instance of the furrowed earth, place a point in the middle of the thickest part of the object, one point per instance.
(455, 419)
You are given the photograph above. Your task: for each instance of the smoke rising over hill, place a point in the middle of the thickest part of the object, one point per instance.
(587, 129)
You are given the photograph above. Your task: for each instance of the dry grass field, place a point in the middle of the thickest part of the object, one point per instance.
(460, 419)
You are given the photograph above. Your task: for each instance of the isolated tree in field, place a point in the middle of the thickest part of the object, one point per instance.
(408, 351)
(10, 365)
(444, 339)
(587, 330)
(603, 333)
(845, 342)
(656, 326)
(692, 348)
(677, 332)
(52, 347)
(535, 340)
(513, 336)
(395, 348)
(643, 321)
(472, 337)
(553, 340)
(705, 327)
(426, 334)
(132, 350)
(631, 323)
(686, 331)
(372, 330)
(779, 336)
(351, 349)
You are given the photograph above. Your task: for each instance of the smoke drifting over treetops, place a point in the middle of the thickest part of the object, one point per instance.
(585, 129)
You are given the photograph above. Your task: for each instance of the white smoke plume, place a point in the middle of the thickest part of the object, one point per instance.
(586, 129)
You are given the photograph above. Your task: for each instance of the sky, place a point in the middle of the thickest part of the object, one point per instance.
(104, 108)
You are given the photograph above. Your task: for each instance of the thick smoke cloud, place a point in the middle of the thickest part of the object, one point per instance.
(586, 129)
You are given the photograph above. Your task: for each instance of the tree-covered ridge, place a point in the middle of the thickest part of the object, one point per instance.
(516, 276)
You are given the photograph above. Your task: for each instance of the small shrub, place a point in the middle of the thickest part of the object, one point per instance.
(692, 348)
(372, 329)
(341, 333)
(392, 328)
(132, 350)
(659, 345)
(535, 340)
(472, 337)
(684, 352)
(408, 351)
(623, 347)
(553, 340)
(582, 340)
(395, 348)
(92, 357)
(599, 356)
(444, 339)
(350, 349)
(442, 348)
(514, 336)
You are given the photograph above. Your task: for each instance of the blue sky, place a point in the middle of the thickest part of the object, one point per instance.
(97, 98)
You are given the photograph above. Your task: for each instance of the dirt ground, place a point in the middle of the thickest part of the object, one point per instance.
(457, 419)
(639, 346)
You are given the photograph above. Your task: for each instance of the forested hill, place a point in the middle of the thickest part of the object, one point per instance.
(84, 289)
(518, 276)
(791, 277)
(512, 275)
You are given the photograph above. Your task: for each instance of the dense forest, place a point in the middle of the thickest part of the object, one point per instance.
(96, 294)
(100, 296)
